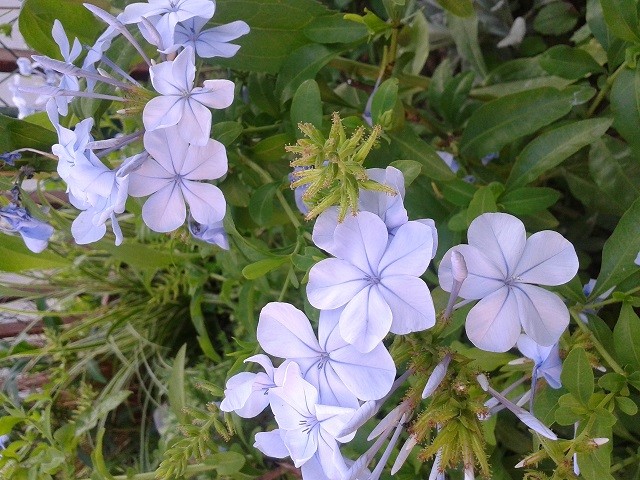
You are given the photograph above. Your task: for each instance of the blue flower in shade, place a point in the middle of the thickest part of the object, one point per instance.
(213, 234)
(10, 158)
(35, 233)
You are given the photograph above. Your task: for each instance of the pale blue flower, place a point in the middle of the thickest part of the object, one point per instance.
(376, 280)
(546, 360)
(181, 104)
(308, 429)
(213, 234)
(212, 42)
(34, 232)
(10, 158)
(340, 372)
(172, 177)
(69, 54)
(503, 266)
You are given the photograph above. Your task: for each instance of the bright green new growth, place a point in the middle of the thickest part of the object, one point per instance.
(333, 167)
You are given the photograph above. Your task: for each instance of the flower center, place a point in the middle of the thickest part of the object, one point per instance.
(372, 279)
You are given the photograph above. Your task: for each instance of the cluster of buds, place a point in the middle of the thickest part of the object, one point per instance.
(331, 169)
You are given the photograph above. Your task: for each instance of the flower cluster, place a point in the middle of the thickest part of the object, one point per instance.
(177, 156)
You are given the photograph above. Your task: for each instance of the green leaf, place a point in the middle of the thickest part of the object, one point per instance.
(461, 8)
(16, 257)
(303, 64)
(99, 410)
(138, 255)
(176, 386)
(577, 375)
(528, 200)
(501, 121)
(335, 29)
(555, 18)
(227, 463)
(622, 18)
(226, 132)
(620, 251)
(626, 337)
(198, 321)
(262, 267)
(625, 105)
(516, 86)
(598, 26)
(8, 422)
(271, 149)
(306, 106)
(261, 203)
(410, 170)
(615, 170)
(37, 17)
(384, 99)
(613, 382)
(483, 201)
(413, 148)
(16, 134)
(551, 148)
(465, 33)
(374, 24)
(568, 62)
(596, 464)
(277, 29)
(626, 405)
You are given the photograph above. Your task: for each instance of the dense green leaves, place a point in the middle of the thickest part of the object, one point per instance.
(501, 121)
(577, 375)
(626, 337)
(551, 148)
(303, 64)
(334, 29)
(615, 170)
(620, 251)
(568, 62)
(625, 105)
(413, 148)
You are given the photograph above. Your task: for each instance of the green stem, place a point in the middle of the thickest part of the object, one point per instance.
(264, 128)
(354, 67)
(625, 463)
(605, 89)
(269, 179)
(599, 347)
(610, 300)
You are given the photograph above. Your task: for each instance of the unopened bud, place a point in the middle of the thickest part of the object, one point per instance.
(458, 267)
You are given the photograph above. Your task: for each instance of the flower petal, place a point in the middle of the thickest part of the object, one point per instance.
(163, 111)
(285, 332)
(493, 324)
(168, 149)
(333, 282)
(324, 229)
(205, 162)
(195, 124)
(410, 302)
(483, 276)
(206, 202)
(409, 251)
(548, 259)
(501, 237)
(361, 240)
(148, 179)
(542, 313)
(271, 443)
(164, 211)
(366, 319)
(216, 93)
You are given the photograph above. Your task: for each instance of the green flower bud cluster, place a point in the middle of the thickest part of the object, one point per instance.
(332, 168)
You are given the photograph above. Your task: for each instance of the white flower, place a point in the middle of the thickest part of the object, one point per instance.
(503, 264)
(172, 177)
(376, 280)
(339, 371)
(180, 103)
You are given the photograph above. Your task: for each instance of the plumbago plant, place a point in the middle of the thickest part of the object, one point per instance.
(322, 240)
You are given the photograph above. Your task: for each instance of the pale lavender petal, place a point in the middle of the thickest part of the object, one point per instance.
(162, 80)
(148, 179)
(84, 231)
(163, 111)
(361, 240)
(205, 162)
(366, 319)
(206, 202)
(436, 377)
(543, 314)
(183, 70)
(333, 282)
(285, 332)
(168, 149)
(548, 259)
(409, 251)
(501, 237)
(216, 93)
(483, 276)
(410, 302)
(164, 211)
(237, 391)
(324, 229)
(493, 324)
(320, 373)
(195, 124)
(434, 232)
(271, 444)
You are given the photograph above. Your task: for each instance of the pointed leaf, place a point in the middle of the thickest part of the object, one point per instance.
(626, 337)
(577, 375)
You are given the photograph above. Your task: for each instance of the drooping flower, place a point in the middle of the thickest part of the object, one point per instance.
(546, 360)
(213, 234)
(503, 266)
(308, 429)
(339, 371)
(172, 176)
(247, 393)
(181, 104)
(376, 280)
(212, 42)
(34, 232)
